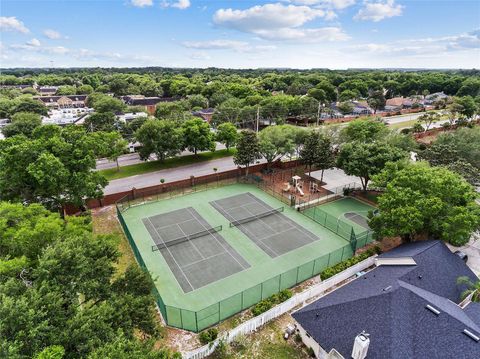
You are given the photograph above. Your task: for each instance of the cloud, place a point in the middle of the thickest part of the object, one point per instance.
(335, 4)
(240, 46)
(379, 10)
(34, 42)
(142, 3)
(200, 55)
(12, 24)
(433, 46)
(53, 34)
(178, 4)
(279, 22)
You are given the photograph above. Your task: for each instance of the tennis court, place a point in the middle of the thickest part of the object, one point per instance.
(195, 252)
(210, 260)
(266, 226)
(350, 210)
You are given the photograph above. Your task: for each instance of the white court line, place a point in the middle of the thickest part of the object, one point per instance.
(177, 223)
(190, 284)
(188, 240)
(289, 220)
(207, 258)
(252, 235)
(219, 242)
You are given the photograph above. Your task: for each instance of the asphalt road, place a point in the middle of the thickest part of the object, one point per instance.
(133, 158)
(172, 174)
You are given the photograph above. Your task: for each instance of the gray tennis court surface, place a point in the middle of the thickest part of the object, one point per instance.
(357, 218)
(194, 262)
(275, 234)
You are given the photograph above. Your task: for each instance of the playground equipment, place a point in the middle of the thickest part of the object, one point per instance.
(297, 184)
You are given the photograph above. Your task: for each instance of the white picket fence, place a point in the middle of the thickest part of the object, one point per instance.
(298, 299)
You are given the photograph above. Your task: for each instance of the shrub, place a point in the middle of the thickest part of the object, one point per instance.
(298, 338)
(208, 336)
(337, 268)
(220, 351)
(310, 352)
(269, 302)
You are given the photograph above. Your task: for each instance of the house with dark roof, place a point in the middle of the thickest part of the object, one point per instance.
(409, 306)
(148, 103)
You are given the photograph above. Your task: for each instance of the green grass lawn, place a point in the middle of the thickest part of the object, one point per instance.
(151, 166)
(404, 124)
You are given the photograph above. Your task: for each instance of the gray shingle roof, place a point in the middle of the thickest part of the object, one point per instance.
(389, 303)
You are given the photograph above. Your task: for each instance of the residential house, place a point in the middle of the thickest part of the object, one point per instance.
(59, 102)
(409, 305)
(148, 103)
(361, 109)
(130, 116)
(47, 90)
(434, 97)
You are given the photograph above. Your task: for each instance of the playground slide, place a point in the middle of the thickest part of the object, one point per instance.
(300, 190)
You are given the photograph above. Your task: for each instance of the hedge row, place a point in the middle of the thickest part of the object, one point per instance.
(271, 301)
(331, 271)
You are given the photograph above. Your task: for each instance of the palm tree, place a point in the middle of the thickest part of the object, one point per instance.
(473, 288)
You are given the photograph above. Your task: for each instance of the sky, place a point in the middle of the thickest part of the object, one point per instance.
(335, 34)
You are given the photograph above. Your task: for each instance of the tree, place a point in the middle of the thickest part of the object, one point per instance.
(376, 100)
(345, 107)
(106, 103)
(84, 90)
(69, 299)
(248, 149)
(365, 160)
(160, 137)
(324, 158)
(308, 153)
(23, 123)
(276, 142)
(100, 121)
(419, 199)
(52, 169)
(30, 105)
(66, 90)
(364, 130)
(428, 119)
(227, 134)
(473, 288)
(197, 136)
(112, 146)
(466, 106)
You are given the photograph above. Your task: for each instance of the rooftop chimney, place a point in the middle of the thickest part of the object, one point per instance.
(360, 346)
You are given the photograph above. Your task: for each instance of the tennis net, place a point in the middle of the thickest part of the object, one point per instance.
(182, 239)
(255, 217)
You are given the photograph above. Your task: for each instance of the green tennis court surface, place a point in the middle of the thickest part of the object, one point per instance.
(349, 210)
(269, 228)
(206, 270)
(195, 252)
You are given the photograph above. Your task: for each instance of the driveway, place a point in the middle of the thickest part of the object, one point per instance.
(472, 249)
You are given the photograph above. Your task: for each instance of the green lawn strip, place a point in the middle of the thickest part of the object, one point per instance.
(403, 124)
(152, 166)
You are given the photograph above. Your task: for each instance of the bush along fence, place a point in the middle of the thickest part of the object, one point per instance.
(295, 302)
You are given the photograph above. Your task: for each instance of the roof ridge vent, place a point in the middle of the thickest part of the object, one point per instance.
(387, 288)
(432, 309)
(472, 336)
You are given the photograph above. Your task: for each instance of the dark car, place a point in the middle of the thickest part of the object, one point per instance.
(462, 256)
